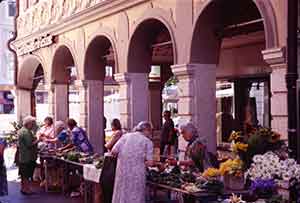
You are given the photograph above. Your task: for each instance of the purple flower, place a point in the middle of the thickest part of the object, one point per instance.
(263, 186)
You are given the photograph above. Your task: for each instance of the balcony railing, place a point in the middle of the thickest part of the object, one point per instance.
(49, 12)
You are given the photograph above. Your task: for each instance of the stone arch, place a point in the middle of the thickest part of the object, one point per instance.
(270, 25)
(27, 71)
(63, 57)
(266, 11)
(99, 41)
(159, 16)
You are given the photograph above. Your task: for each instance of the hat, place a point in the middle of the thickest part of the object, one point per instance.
(28, 119)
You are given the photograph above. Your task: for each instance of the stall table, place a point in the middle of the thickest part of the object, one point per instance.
(198, 197)
(68, 167)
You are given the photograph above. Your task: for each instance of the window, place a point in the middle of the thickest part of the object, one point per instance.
(108, 71)
(11, 8)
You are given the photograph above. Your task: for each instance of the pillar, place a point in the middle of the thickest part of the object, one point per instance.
(61, 104)
(197, 99)
(133, 99)
(155, 101)
(23, 103)
(51, 97)
(276, 59)
(91, 112)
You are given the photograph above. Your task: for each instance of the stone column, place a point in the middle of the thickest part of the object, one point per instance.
(155, 104)
(91, 112)
(134, 95)
(197, 99)
(51, 102)
(23, 103)
(279, 115)
(61, 104)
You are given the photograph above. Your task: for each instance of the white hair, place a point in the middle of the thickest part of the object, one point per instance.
(189, 127)
(142, 126)
(59, 124)
(28, 119)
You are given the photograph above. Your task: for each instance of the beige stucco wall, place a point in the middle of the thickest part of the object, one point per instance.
(118, 20)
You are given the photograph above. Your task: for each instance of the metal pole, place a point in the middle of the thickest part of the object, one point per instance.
(291, 76)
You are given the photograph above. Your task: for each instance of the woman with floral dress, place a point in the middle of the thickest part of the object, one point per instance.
(134, 152)
(3, 178)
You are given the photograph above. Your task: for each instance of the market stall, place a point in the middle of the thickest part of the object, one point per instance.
(86, 168)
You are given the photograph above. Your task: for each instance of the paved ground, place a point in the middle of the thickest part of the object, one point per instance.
(40, 197)
(14, 187)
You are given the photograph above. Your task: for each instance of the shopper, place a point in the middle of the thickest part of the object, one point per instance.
(116, 135)
(134, 152)
(47, 130)
(79, 139)
(59, 139)
(28, 153)
(197, 156)
(168, 135)
(3, 178)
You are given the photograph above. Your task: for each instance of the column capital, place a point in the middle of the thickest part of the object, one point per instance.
(191, 69)
(127, 77)
(275, 56)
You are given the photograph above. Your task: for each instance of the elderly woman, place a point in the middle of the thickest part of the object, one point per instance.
(59, 136)
(79, 138)
(134, 152)
(196, 155)
(3, 180)
(116, 135)
(27, 154)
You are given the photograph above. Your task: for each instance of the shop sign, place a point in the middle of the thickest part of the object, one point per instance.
(35, 44)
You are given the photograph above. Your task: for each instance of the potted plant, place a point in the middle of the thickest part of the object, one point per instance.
(233, 174)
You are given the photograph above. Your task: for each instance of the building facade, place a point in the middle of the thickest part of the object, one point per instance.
(7, 10)
(208, 45)
(7, 67)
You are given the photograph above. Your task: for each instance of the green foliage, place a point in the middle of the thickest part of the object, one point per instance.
(12, 136)
(260, 140)
(172, 81)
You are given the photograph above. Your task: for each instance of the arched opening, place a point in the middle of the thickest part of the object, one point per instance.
(102, 90)
(31, 84)
(66, 92)
(230, 35)
(151, 52)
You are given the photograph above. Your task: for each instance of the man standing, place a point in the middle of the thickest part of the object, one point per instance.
(168, 136)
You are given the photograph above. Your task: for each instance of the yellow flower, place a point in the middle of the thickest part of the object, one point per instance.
(239, 147)
(231, 167)
(235, 136)
(211, 173)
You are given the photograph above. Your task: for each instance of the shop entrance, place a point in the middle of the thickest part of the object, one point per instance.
(241, 103)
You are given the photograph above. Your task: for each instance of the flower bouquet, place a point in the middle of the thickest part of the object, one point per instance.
(255, 141)
(286, 173)
(233, 173)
